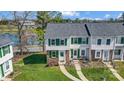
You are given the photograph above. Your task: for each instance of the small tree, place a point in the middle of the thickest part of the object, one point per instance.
(44, 17)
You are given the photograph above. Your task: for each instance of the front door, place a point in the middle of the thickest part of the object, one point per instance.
(62, 56)
(105, 55)
(75, 54)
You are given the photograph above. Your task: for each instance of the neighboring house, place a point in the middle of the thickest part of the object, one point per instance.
(93, 41)
(6, 54)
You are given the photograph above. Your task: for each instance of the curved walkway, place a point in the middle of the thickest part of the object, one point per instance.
(79, 72)
(114, 72)
(66, 73)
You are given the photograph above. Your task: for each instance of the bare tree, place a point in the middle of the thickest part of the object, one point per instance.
(19, 19)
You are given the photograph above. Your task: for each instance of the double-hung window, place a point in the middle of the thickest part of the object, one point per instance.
(99, 41)
(83, 53)
(62, 42)
(53, 42)
(97, 54)
(108, 41)
(122, 40)
(7, 66)
(6, 50)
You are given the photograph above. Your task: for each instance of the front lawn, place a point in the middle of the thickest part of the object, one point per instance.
(72, 71)
(32, 68)
(119, 66)
(98, 74)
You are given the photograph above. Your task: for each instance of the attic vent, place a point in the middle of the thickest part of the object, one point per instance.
(88, 32)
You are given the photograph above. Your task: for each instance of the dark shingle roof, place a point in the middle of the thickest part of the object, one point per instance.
(65, 30)
(5, 41)
(84, 29)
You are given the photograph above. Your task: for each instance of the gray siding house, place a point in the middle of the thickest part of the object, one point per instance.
(65, 42)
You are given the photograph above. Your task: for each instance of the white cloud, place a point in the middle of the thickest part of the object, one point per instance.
(88, 18)
(107, 16)
(70, 13)
(98, 18)
(120, 15)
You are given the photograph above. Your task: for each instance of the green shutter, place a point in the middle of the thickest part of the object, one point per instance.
(87, 40)
(3, 51)
(66, 41)
(78, 53)
(71, 53)
(57, 54)
(9, 48)
(1, 70)
(0, 52)
(50, 54)
(71, 40)
(49, 42)
(79, 40)
(57, 42)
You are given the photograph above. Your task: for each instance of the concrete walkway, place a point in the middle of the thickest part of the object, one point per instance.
(66, 73)
(114, 72)
(79, 72)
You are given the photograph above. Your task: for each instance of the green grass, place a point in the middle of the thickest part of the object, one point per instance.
(33, 68)
(97, 74)
(72, 70)
(119, 66)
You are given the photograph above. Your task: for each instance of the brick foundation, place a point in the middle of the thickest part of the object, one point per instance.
(53, 61)
(67, 56)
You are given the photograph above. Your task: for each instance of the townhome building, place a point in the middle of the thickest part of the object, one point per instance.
(6, 54)
(65, 42)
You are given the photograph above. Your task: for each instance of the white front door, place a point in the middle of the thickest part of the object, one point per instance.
(75, 54)
(62, 56)
(105, 55)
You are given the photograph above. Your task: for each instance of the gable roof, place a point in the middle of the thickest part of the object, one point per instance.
(84, 29)
(5, 41)
(65, 30)
(106, 29)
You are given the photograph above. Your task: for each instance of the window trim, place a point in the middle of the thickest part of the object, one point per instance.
(96, 53)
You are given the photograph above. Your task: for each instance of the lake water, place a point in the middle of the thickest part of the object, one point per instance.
(31, 41)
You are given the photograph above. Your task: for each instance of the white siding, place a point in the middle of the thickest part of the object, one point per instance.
(103, 43)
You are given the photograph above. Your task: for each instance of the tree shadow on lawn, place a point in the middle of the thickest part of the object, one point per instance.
(35, 59)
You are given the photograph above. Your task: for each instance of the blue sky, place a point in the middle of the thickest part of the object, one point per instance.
(92, 14)
(98, 15)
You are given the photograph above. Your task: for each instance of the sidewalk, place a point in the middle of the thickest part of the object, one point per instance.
(79, 72)
(66, 73)
(114, 72)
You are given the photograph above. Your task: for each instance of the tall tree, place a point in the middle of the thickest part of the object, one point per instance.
(44, 17)
(19, 21)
